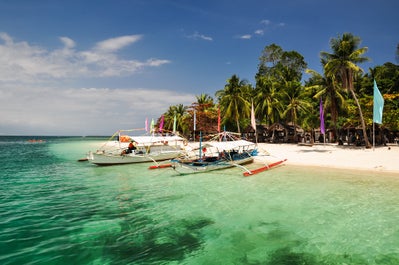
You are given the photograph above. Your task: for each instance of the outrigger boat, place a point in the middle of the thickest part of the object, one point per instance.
(225, 150)
(215, 156)
(125, 149)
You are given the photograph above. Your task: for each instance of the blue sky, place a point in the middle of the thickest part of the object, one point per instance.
(93, 67)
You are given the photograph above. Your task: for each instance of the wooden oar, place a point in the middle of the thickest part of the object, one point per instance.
(261, 169)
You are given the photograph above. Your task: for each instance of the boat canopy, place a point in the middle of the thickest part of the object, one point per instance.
(229, 145)
(156, 139)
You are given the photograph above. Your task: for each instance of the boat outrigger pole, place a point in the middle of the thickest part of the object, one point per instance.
(264, 168)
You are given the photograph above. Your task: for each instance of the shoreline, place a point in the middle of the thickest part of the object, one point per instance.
(381, 159)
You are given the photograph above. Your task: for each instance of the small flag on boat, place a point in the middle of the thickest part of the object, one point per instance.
(152, 125)
(146, 124)
(378, 105)
(322, 129)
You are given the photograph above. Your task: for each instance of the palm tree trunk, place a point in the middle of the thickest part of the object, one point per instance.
(238, 126)
(366, 139)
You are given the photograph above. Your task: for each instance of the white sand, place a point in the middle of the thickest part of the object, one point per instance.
(381, 159)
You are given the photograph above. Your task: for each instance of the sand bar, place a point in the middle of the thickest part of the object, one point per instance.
(381, 158)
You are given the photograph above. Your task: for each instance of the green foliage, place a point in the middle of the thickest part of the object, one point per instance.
(280, 96)
(234, 100)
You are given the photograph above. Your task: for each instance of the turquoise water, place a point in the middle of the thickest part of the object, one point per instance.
(55, 210)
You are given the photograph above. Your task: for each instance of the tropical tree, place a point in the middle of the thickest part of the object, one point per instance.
(296, 103)
(341, 65)
(266, 99)
(204, 100)
(270, 57)
(387, 77)
(276, 69)
(235, 99)
(282, 65)
(205, 112)
(325, 88)
(179, 111)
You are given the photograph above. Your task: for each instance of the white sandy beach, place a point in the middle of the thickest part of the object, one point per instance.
(381, 159)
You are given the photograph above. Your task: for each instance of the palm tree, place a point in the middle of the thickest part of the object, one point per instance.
(179, 111)
(234, 100)
(341, 65)
(204, 99)
(325, 87)
(266, 98)
(296, 104)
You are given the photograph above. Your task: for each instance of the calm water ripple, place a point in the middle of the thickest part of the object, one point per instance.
(55, 210)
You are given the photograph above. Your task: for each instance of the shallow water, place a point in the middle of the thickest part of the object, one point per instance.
(55, 210)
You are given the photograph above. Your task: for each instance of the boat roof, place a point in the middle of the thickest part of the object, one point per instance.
(155, 139)
(228, 145)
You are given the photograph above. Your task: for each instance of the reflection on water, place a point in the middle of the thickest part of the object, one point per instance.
(56, 210)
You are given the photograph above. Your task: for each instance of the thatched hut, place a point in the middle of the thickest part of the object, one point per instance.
(284, 133)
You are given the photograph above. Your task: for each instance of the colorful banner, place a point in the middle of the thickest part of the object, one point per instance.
(322, 129)
(378, 105)
(152, 126)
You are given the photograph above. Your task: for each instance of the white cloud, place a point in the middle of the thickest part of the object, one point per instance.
(265, 25)
(69, 43)
(33, 98)
(156, 62)
(269, 24)
(25, 63)
(259, 32)
(265, 22)
(84, 111)
(118, 43)
(197, 36)
(245, 37)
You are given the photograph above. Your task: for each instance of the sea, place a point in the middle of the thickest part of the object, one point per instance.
(57, 210)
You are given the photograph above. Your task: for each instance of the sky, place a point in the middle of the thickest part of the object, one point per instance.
(93, 67)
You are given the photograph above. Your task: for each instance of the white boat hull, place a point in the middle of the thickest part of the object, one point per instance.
(199, 167)
(116, 159)
(145, 149)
